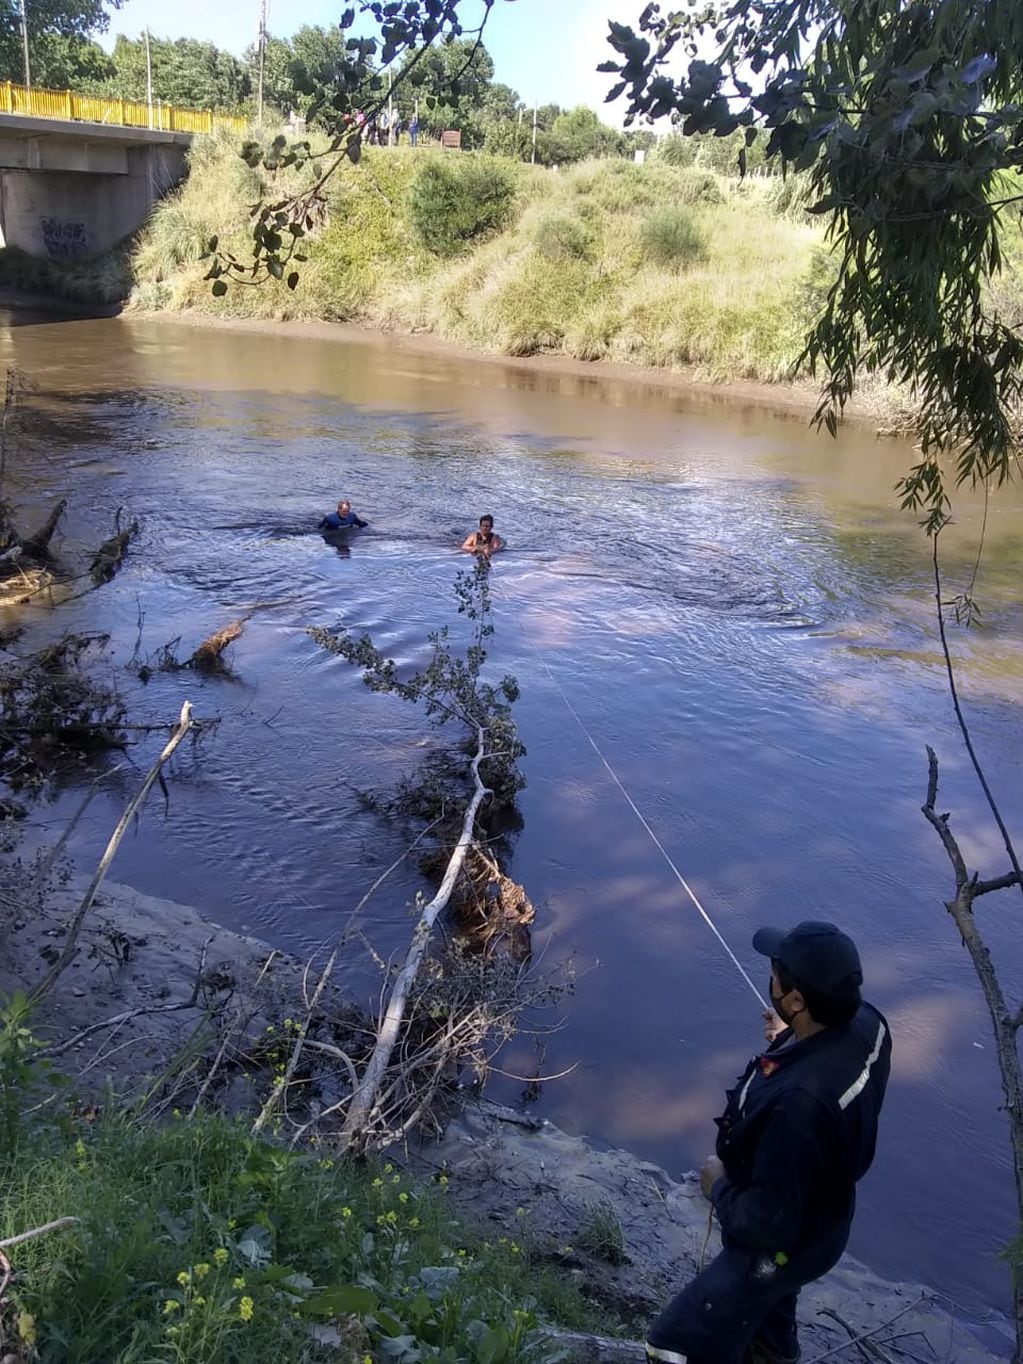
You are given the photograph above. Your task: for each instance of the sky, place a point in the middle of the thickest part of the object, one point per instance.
(547, 50)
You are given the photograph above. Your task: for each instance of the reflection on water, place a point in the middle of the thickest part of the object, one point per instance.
(735, 608)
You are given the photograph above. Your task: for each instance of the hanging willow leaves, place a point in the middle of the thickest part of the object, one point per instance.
(908, 119)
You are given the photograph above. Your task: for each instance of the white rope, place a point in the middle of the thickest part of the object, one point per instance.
(657, 842)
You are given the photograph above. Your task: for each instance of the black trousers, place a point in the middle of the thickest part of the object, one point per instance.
(740, 1297)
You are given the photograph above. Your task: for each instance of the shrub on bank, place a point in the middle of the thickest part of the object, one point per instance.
(455, 201)
(670, 238)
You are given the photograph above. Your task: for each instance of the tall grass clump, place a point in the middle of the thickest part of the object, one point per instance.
(670, 238)
(453, 202)
(559, 237)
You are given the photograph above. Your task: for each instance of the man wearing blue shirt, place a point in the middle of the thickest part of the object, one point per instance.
(342, 519)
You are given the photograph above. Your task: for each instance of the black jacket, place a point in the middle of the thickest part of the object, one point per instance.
(798, 1132)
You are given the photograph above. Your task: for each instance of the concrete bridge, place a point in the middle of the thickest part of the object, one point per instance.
(69, 190)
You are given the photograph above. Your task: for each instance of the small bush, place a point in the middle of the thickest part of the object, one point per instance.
(671, 239)
(454, 201)
(556, 238)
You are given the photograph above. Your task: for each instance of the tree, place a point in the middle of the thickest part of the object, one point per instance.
(54, 28)
(278, 73)
(451, 85)
(500, 103)
(579, 133)
(69, 63)
(185, 72)
(907, 119)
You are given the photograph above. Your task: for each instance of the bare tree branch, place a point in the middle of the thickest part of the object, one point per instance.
(132, 808)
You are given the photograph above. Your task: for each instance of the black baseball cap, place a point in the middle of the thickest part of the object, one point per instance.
(817, 955)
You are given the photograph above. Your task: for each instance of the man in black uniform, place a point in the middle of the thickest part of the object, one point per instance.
(798, 1131)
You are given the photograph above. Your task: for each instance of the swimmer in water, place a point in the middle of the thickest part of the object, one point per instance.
(483, 541)
(342, 519)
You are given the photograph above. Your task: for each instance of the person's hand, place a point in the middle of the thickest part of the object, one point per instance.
(773, 1025)
(710, 1174)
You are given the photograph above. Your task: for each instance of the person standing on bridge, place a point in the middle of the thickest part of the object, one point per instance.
(798, 1131)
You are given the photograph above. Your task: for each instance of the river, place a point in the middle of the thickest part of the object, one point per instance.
(732, 604)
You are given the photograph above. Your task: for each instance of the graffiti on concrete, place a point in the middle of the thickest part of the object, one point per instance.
(64, 240)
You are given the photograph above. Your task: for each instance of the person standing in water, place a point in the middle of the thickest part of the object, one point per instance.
(483, 541)
(341, 519)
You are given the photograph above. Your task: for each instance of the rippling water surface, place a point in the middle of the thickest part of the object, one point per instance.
(732, 605)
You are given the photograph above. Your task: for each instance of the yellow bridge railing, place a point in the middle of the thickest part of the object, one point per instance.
(36, 103)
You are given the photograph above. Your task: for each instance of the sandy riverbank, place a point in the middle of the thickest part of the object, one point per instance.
(526, 1178)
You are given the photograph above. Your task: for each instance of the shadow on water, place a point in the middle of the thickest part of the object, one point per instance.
(736, 613)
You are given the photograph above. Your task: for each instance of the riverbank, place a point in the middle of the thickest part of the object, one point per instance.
(531, 1189)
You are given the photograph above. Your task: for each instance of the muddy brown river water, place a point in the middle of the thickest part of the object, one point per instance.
(733, 605)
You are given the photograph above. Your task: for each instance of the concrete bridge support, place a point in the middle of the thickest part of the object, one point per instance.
(72, 190)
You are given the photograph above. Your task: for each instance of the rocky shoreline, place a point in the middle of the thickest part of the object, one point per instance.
(522, 1176)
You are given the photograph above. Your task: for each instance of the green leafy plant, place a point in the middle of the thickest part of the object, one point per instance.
(454, 202)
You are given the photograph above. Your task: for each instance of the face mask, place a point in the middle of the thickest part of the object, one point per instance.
(778, 1006)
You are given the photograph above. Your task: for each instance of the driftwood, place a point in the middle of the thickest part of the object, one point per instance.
(134, 805)
(207, 658)
(110, 555)
(495, 909)
(363, 1103)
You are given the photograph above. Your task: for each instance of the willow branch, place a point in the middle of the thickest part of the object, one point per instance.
(964, 729)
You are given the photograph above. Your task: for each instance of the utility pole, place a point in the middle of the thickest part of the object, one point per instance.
(149, 78)
(534, 136)
(24, 40)
(262, 62)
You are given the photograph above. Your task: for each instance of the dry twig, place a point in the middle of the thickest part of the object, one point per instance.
(132, 808)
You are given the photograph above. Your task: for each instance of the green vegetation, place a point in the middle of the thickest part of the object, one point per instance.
(602, 1236)
(670, 237)
(452, 202)
(607, 260)
(197, 1242)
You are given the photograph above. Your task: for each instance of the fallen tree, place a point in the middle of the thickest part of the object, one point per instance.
(442, 1007)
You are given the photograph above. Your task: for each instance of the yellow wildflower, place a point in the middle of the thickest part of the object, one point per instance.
(378, 1183)
(171, 1305)
(388, 1169)
(201, 1270)
(246, 1307)
(27, 1327)
(220, 1256)
(392, 1217)
(346, 1212)
(199, 1301)
(184, 1278)
(238, 1283)
(403, 1197)
(413, 1222)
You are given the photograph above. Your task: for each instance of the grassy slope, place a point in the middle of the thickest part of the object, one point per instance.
(571, 274)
